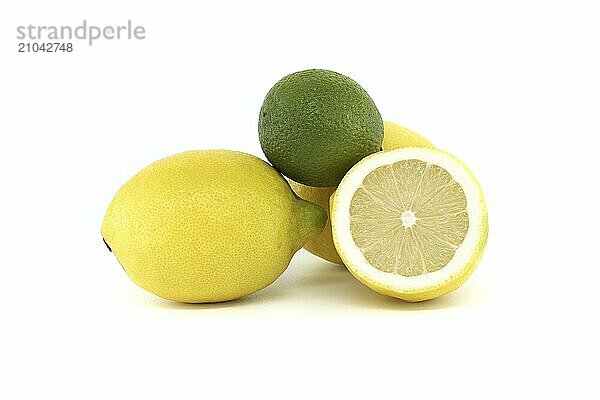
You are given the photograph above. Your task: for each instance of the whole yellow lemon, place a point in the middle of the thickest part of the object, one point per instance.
(208, 226)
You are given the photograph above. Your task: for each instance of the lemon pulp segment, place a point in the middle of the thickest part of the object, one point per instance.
(409, 217)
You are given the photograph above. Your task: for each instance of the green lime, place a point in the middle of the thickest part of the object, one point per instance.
(314, 125)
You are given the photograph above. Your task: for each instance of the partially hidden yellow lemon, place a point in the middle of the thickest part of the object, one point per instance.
(208, 226)
(322, 244)
(410, 223)
(395, 137)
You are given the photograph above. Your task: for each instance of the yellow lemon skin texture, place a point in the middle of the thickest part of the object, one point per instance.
(395, 137)
(208, 226)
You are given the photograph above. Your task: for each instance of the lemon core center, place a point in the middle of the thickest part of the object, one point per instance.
(408, 218)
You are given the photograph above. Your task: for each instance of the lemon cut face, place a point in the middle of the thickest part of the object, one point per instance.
(410, 223)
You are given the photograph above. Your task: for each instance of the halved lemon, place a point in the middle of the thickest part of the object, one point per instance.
(410, 223)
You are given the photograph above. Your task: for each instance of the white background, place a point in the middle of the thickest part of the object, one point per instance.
(512, 88)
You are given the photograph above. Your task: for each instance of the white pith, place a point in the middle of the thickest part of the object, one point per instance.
(352, 254)
(408, 218)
